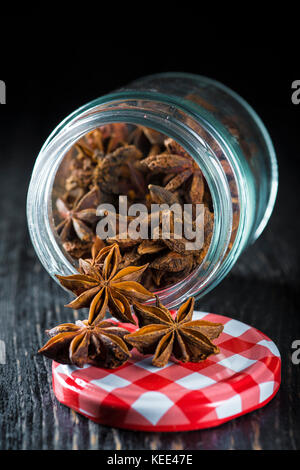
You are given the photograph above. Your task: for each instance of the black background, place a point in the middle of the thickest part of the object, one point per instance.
(51, 68)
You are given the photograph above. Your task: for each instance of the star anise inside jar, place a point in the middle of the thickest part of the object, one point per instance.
(78, 221)
(149, 168)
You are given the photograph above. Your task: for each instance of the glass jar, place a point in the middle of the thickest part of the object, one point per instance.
(221, 132)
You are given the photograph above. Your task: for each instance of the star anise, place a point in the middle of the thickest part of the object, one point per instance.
(160, 195)
(83, 166)
(172, 261)
(79, 219)
(77, 248)
(179, 167)
(105, 138)
(148, 168)
(107, 288)
(100, 345)
(154, 137)
(97, 260)
(114, 135)
(130, 258)
(163, 336)
(116, 173)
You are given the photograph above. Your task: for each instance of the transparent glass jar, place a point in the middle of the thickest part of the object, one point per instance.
(215, 126)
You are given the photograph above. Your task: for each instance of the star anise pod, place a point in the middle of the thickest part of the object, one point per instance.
(106, 138)
(172, 262)
(117, 174)
(149, 168)
(79, 219)
(100, 345)
(154, 137)
(149, 247)
(163, 336)
(114, 135)
(182, 166)
(82, 166)
(96, 261)
(196, 191)
(130, 258)
(77, 248)
(160, 195)
(107, 288)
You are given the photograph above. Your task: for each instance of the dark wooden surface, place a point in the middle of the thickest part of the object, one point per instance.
(262, 290)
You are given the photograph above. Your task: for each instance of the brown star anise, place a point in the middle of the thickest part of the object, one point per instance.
(107, 288)
(100, 345)
(149, 168)
(97, 260)
(116, 173)
(112, 136)
(163, 336)
(179, 167)
(79, 219)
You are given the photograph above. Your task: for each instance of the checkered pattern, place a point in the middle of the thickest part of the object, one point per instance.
(244, 376)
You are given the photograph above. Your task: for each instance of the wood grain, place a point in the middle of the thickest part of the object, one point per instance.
(262, 290)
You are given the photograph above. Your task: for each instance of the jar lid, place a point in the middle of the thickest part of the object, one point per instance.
(244, 376)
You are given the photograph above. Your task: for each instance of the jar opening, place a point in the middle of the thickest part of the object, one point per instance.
(158, 115)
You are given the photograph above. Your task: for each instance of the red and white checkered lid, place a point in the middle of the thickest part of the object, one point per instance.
(244, 376)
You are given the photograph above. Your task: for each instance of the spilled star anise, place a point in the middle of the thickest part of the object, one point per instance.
(102, 289)
(163, 336)
(100, 345)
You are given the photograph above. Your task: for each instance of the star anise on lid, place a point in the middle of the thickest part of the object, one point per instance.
(78, 220)
(163, 336)
(100, 345)
(106, 288)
